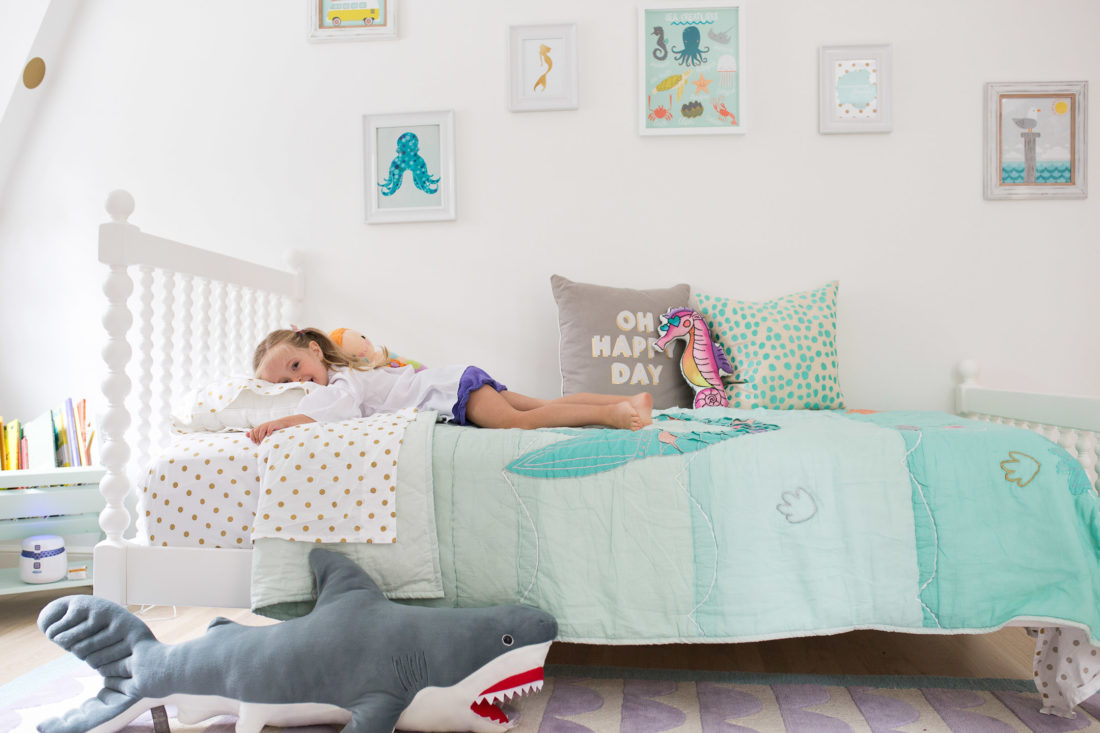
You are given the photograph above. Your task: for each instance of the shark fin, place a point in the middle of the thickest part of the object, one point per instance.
(337, 574)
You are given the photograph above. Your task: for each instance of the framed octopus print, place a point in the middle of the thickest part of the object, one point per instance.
(690, 69)
(409, 167)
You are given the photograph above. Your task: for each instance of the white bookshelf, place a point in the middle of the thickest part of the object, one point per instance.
(60, 501)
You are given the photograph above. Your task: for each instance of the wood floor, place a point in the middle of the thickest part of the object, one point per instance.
(1005, 653)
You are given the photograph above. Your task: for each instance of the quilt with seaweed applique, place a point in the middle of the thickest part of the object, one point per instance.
(732, 525)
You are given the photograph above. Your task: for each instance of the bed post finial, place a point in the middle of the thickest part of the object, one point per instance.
(968, 371)
(120, 204)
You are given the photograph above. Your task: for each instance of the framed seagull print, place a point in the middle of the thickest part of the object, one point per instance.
(1035, 140)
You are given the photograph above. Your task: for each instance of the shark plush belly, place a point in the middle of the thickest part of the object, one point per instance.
(357, 659)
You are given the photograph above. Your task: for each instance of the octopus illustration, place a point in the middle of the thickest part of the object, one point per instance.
(691, 53)
(661, 52)
(408, 159)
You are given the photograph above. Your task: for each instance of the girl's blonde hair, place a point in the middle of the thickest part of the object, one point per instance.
(331, 354)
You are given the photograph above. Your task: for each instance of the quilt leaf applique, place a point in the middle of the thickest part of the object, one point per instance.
(596, 451)
(1074, 472)
(1020, 468)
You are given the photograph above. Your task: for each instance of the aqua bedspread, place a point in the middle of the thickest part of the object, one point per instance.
(723, 525)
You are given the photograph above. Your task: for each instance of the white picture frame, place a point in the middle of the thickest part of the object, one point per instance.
(702, 44)
(351, 20)
(542, 63)
(409, 167)
(856, 89)
(1047, 160)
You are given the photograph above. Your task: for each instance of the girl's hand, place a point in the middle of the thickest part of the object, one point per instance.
(258, 433)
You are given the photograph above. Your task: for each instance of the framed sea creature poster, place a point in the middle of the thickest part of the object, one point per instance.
(409, 166)
(855, 93)
(1035, 143)
(543, 67)
(690, 74)
(351, 20)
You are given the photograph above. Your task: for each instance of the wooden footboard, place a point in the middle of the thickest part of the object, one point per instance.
(199, 314)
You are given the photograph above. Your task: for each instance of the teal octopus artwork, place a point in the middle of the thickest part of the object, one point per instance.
(408, 158)
(596, 451)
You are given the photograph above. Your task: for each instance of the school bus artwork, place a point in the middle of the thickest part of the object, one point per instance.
(350, 12)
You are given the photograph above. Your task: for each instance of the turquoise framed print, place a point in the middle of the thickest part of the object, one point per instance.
(1035, 145)
(351, 20)
(691, 80)
(409, 167)
(855, 94)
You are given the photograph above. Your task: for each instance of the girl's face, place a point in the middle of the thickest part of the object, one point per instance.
(286, 363)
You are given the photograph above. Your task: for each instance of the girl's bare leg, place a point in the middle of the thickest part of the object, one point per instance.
(491, 409)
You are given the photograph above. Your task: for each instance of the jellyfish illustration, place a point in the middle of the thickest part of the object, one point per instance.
(727, 67)
(408, 159)
(691, 53)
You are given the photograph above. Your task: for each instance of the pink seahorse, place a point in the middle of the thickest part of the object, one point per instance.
(703, 362)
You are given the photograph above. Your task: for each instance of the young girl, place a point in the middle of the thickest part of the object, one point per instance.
(462, 393)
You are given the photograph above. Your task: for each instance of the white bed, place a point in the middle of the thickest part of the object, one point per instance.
(184, 335)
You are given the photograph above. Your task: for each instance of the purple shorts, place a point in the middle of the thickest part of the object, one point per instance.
(472, 379)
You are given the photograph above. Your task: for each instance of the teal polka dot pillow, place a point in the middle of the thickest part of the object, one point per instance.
(784, 350)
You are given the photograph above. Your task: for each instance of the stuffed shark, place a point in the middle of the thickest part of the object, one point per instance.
(357, 660)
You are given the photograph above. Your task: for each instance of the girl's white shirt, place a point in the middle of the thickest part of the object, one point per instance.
(353, 393)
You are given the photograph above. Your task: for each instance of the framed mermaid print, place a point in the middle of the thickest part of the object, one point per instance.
(409, 167)
(543, 67)
(690, 75)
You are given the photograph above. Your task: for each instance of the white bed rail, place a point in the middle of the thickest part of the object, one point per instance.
(208, 326)
(1073, 422)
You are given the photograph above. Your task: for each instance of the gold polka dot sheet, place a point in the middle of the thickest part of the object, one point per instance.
(332, 482)
(201, 492)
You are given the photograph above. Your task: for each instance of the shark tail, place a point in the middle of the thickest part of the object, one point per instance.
(105, 636)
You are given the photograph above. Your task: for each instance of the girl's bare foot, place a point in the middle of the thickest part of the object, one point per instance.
(625, 417)
(643, 403)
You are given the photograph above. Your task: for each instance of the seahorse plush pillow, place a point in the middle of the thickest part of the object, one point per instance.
(784, 350)
(606, 338)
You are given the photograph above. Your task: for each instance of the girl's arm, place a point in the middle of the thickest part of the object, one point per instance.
(258, 433)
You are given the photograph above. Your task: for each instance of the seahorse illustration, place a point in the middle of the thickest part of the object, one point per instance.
(703, 362)
(661, 52)
(408, 159)
(544, 58)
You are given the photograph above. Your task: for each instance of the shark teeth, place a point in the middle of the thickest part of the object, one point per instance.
(503, 691)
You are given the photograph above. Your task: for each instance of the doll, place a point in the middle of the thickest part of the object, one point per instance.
(359, 346)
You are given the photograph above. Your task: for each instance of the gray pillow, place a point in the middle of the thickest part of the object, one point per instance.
(606, 340)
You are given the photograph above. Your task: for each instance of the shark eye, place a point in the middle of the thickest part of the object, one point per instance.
(507, 640)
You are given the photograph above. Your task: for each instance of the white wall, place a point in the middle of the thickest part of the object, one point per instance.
(237, 133)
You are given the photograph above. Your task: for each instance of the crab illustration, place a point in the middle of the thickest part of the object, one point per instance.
(662, 112)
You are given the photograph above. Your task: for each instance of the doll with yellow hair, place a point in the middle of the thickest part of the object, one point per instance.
(358, 346)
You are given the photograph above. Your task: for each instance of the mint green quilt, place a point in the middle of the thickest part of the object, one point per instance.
(723, 525)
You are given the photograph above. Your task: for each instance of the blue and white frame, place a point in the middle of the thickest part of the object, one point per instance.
(1035, 145)
(855, 89)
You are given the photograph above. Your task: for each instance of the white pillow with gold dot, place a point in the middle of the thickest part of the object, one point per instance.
(238, 403)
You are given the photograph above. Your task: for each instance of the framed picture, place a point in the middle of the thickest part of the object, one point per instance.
(690, 73)
(1035, 140)
(543, 61)
(351, 20)
(409, 165)
(855, 94)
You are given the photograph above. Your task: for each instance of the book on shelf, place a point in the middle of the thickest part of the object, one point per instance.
(57, 438)
(41, 442)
